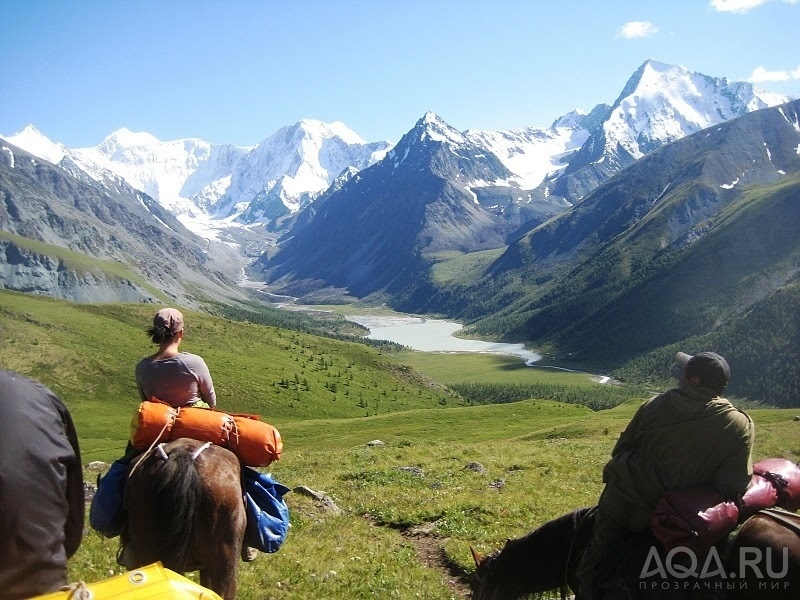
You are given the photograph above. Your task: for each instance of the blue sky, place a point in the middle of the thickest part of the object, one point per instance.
(236, 71)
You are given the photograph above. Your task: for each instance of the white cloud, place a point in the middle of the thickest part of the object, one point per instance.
(761, 74)
(741, 6)
(735, 6)
(637, 29)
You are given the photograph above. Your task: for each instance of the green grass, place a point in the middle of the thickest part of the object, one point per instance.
(489, 368)
(452, 267)
(87, 352)
(549, 455)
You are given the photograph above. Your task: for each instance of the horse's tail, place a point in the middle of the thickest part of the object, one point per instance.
(178, 492)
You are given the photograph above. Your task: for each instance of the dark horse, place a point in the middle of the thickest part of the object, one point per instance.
(185, 509)
(546, 559)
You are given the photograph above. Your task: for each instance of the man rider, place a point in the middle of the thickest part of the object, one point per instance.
(41, 488)
(686, 437)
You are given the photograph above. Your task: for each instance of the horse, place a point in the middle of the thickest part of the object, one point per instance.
(185, 508)
(547, 558)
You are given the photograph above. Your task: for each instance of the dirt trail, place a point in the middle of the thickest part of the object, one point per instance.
(429, 549)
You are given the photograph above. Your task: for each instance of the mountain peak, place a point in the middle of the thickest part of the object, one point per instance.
(34, 141)
(572, 119)
(432, 127)
(658, 65)
(125, 138)
(30, 129)
(324, 130)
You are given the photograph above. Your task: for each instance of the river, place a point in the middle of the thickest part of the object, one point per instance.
(435, 335)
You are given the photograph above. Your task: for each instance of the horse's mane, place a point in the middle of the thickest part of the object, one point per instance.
(178, 492)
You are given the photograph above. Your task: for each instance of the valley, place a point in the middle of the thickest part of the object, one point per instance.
(445, 258)
(448, 474)
(604, 242)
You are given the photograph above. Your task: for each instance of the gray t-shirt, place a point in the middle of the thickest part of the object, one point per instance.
(180, 381)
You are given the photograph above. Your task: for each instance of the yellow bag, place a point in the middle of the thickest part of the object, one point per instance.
(153, 581)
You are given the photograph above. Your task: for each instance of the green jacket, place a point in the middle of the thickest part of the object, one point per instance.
(682, 438)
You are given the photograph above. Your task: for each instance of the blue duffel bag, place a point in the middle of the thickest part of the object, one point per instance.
(107, 511)
(267, 513)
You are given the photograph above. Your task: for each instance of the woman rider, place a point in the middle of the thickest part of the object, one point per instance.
(175, 377)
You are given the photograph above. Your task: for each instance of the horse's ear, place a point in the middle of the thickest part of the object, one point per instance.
(476, 556)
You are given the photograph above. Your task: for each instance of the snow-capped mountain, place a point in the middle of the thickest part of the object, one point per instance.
(292, 166)
(435, 191)
(213, 187)
(182, 175)
(206, 185)
(135, 250)
(34, 141)
(664, 103)
(660, 104)
(533, 153)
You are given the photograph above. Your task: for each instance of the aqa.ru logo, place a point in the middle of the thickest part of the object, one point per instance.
(679, 569)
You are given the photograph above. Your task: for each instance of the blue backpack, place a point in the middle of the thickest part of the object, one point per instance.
(267, 513)
(107, 511)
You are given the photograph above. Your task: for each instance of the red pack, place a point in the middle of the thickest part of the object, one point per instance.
(256, 443)
(151, 421)
(203, 424)
(698, 518)
(695, 518)
(761, 493)
(785, 476)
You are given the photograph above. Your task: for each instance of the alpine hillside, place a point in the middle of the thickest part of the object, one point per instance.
(546, 172)
(664, 221)
(694, 245)
(68, 235)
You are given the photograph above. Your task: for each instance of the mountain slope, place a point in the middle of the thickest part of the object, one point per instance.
(208, 185)
(108, 221)
(292, 167)
(689, 238)
(660, 104)
(435, 191)
(533, 153)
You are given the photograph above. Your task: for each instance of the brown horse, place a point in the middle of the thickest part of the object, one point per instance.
(185, 509)
(762, 561)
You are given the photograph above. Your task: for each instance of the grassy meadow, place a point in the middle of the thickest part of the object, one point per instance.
(412, 507)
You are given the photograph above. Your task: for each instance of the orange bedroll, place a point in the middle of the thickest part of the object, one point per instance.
(203, 424)
(258, 444)
(254, 442)
(151, 421)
